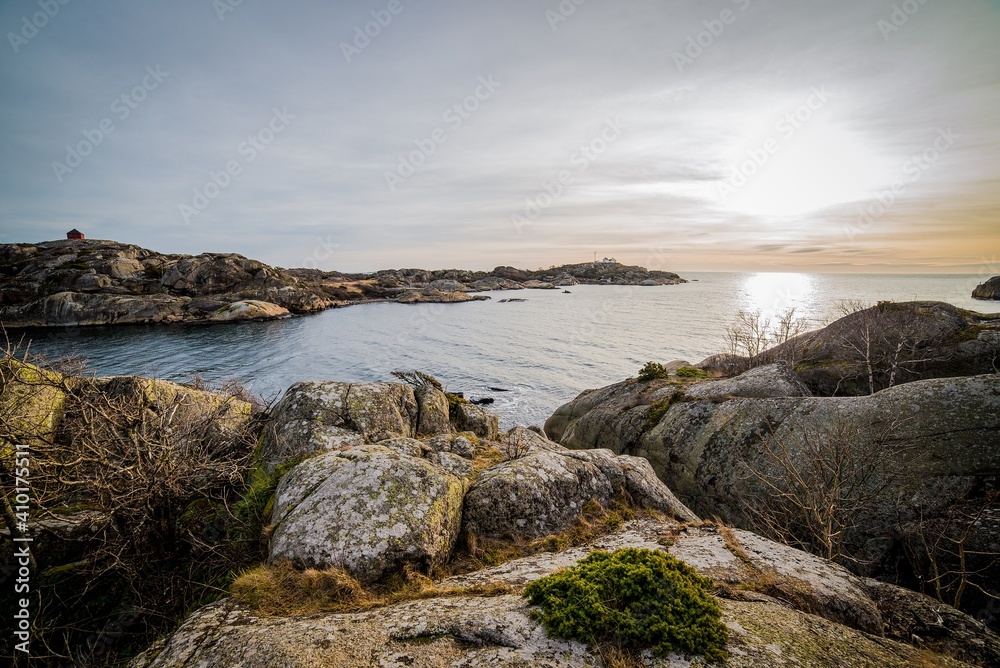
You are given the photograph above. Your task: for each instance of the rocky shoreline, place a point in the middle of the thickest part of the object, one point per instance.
(77, 282)
(336, 449)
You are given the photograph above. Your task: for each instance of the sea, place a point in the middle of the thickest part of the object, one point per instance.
(529, 356)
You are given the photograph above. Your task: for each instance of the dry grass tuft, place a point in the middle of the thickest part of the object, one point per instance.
(281, 590)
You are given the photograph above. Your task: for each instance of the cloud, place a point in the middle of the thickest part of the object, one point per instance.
(655, 186)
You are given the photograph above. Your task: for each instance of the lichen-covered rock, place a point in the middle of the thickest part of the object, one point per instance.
(433, 412)
(369, 510)
(635, 479)
(32, 401)
(479, 421)
(462, 447)
(537, 495)
(538, 492)
(322, 416)
(452, 463)
(799, 621)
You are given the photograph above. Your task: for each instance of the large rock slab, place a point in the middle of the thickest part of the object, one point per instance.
(369, 510)
(941, 436)
(462, 631)
(322, 416)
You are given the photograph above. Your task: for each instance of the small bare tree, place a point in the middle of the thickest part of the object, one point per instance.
(888, 340)
(752, 337)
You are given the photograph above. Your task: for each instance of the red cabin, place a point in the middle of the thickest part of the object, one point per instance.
(74, 234)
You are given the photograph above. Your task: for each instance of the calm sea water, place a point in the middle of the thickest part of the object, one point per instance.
(543, 351)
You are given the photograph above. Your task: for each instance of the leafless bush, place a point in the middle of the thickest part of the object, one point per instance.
(145, 464)
(820, 481)
(948, 558)
(513, 447)
(418, 380)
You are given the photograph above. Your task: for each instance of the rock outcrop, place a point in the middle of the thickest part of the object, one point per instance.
(988, 290)
(94, 282)
(884, 345)
(782, 607)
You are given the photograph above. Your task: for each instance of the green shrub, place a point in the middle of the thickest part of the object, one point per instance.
(632, 599)
(653, 370)
(691, 372)
(658, 409)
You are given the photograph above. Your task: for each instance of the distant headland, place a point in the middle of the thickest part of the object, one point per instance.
(78, 281)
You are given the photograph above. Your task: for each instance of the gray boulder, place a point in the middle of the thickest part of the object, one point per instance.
(432, 406)
(537, 495)
(544, 489)
(369, 510)
(479, 421)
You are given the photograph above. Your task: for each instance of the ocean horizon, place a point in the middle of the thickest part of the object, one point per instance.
(530, 357)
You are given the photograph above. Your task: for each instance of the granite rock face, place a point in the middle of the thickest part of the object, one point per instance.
(930, 449)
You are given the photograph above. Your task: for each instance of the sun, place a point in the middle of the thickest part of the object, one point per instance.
(817, 166)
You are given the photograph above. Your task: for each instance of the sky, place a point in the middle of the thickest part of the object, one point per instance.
(806, 135)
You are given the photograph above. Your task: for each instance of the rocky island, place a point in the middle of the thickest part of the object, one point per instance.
(95, 282)
(392, 524)
(988, 290)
